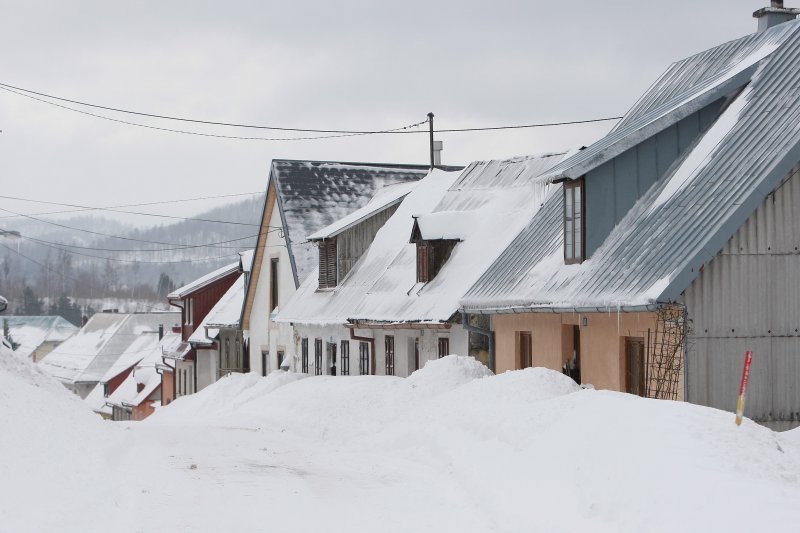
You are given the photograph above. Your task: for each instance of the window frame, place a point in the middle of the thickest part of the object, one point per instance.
(317, 357)
(424, 253)
(443, 346)
(304, 355)
(273, 289)
(572, 254)
(344, 357)
(388, 344)
(328, 272)
(363, 358)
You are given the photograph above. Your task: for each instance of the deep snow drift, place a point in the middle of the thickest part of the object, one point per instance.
(452, 448)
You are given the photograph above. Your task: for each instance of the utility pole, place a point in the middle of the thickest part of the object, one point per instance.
(430, 128)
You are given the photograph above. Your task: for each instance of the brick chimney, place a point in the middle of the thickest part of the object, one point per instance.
(774, 14)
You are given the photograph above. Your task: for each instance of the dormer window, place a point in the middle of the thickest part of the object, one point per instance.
(327, 263)
(433, 251)
(574, 222)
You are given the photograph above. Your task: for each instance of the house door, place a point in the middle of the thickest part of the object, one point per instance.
(525, 349)
(416, 353)
(264, 359)
(634, 366)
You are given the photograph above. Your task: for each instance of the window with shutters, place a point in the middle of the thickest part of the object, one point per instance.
(444, 346)
(304, 356)
(423, 262)
(574, 222)
(363, 358)
(389, 343)
(327, 264)
(318, 357)
(345, 358)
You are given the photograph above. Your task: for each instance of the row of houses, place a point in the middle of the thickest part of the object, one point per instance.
(647, 262)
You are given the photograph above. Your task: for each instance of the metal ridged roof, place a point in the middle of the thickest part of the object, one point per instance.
(683, 221)
(687, 87)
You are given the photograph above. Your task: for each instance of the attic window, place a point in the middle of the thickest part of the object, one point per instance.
(431, 256)
(327, 263)
(574, 222)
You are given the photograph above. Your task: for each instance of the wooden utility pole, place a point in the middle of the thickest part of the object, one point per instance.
(430, 128)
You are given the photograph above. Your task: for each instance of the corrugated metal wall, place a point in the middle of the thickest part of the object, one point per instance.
(353, 242)
(748, 298)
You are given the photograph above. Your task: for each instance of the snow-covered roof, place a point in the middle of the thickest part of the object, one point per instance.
(225, 314)
(385, 197)
(30, 332)
(489, 202)
(313, 194)
(203, 281)
(94, 349)
(689, 214)
(246, 260)
(144, 374)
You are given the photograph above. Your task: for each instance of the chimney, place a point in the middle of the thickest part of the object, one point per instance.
(438, 146)
(774, 14)
(160, 331)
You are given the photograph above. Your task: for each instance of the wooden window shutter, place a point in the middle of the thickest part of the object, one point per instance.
(423, 263)
(327, 263)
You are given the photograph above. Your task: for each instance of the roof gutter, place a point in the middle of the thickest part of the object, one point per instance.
(521, 309)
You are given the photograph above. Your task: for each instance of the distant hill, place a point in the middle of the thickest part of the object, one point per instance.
(91, 268)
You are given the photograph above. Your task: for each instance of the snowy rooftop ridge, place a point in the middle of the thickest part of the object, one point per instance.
(225, 314)
(651, 255)
(203, 281)
(382, 286)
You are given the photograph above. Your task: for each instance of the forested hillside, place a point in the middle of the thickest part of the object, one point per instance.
(89, 262)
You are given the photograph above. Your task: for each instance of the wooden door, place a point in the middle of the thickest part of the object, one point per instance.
(634, 366)
(525, 349)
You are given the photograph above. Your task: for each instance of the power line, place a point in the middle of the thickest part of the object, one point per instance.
(114, 210)
(160, 202)
(337, 132)
(200, 121)
(140, 261)
(89, 231)
(186, 247)
(186, 132)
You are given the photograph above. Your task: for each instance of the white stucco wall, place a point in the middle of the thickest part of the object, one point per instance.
(403, 346)
(264, 334)
(189, 368)
(207, 365)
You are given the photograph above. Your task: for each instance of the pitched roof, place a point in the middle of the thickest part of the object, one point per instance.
(203, 281)
(489, 201)
(314, 194)
(30, 332)
(225, 313)
(686, 218)
(95, 348)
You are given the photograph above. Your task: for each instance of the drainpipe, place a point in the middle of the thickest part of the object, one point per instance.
(371, 341)
(480, 331)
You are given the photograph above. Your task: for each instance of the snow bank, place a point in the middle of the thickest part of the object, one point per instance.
(452, 448)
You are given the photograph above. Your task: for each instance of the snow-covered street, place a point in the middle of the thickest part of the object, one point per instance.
(448, 449)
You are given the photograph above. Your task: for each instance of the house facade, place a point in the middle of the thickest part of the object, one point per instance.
(183, 370)
(302, 197)
(666, 250)
(386, 297)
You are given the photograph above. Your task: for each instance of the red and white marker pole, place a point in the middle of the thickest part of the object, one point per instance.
(748, 358)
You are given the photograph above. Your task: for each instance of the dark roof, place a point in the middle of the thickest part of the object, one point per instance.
(314, 194)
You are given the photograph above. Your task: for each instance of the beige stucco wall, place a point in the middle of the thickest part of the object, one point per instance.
(602, 342)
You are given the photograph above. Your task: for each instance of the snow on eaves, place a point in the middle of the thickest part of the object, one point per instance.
(201, 282)
(225, 314)
(479, 205)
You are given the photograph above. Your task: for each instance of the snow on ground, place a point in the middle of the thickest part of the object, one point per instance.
(452, 448)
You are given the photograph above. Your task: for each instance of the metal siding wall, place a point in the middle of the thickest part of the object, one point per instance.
(748, 298)
(353, 242)
(614, 187)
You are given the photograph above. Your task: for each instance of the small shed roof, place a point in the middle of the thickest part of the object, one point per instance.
(225, 314)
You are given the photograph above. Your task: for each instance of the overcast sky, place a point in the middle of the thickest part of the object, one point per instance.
(324, 64)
